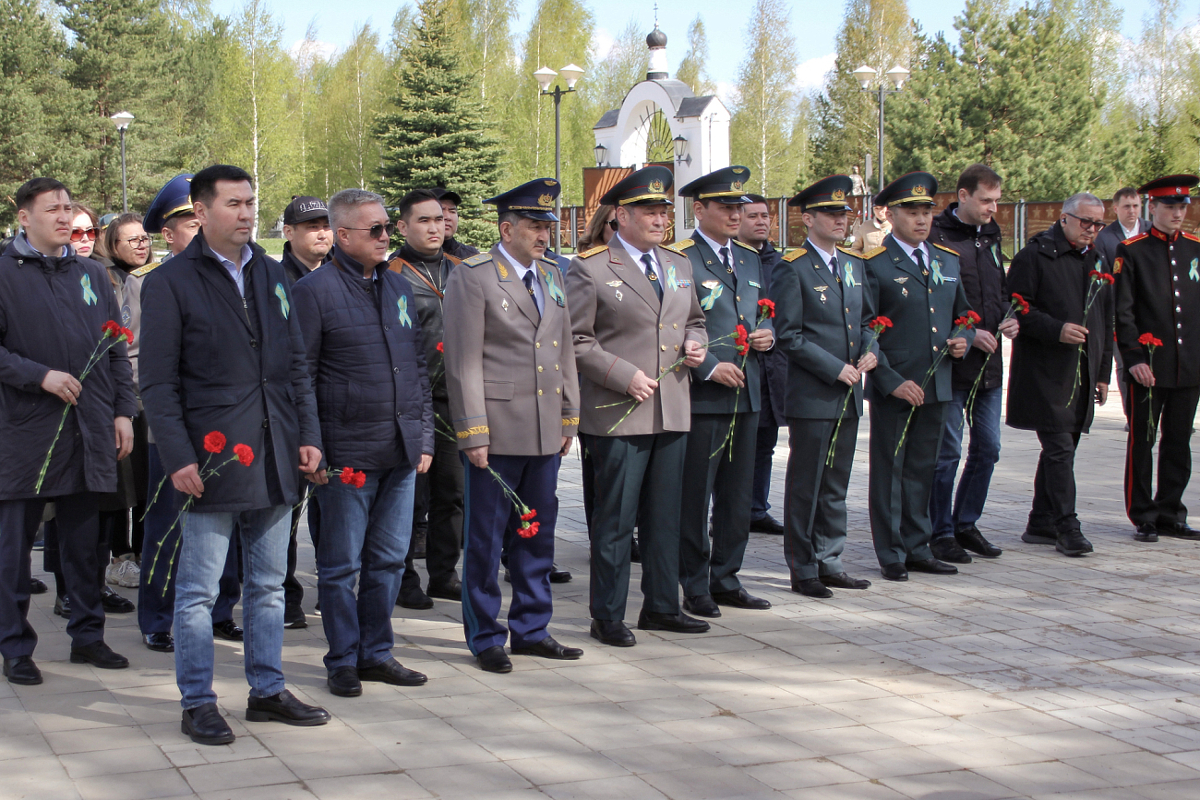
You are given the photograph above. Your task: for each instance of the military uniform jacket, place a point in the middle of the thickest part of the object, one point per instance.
(1158, 292)
(728, 300)
(620, 327)
(922, 309)
(822, 325)
(510, 372)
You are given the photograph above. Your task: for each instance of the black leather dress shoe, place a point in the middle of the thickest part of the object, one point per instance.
(22, 671)
(449, 590)
(702, 605)
(159, 642)
(946, 548)
(284, 707)
(416, 599)
(971, 539)
(767, 524)
(1178, 530)
(931, 566)
(344, 682)
(1073, 544)
(558, 575)
(675, 623)
(740, 598)
(293, 618)
(840, 580)
(98, 654)
(228, 631)
(549, 648)
(612, 632)
(38, 586)
(811, 587)
(114, 603)
(894, 572)
(392, 672)
(1039, 536)
(205, 725)
(62, 606)
(1146, 532)
(494, 659)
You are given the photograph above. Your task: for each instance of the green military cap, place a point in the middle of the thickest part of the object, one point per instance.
(827, 194)
(915, 188)
(725, 185)
(647, 186)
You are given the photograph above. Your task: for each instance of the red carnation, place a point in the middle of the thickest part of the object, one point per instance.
(110, 328)
(439, 347)
(529, 515)
(529, 531)
(128, 334)
(881, 323)
(767, 307)
(1150, 340)
(1021, 303)
(244, 454)
(360, 480)
(347, 476)
(1096, 275)
(975, 318)
(214, 442)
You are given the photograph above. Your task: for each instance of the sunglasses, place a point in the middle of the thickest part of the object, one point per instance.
(79, 234)
(375, 230)
(1086, 223)
(612, 223)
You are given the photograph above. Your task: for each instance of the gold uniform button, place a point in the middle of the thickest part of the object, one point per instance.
(540, 391)
(741, 317)
(664, 348)
(935, 329)
(737, 298)
(539, 368)
(676, 348)
(537, 345)
(556, 367)
(935, 348)
(847, 311)
(660, 326)
(555, 344)
(675, 326)
(558, 391)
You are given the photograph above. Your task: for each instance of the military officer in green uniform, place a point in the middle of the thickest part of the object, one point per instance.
(916, 285)
(727, 278)
(819, 316)
(637, 327)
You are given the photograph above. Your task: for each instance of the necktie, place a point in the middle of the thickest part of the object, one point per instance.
(528, 279)
(833, 266)
(725, 260)
(649, 262)
(920, 259)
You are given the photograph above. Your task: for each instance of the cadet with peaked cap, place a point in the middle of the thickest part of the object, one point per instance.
(637, 326)
(916, 285)
(1158, 284)
(726, 399)
(821, 319)
(514, 400)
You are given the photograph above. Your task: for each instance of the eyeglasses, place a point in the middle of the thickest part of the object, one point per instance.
(137, 241)
(375, 230)
(79, 234)
(1086, 223)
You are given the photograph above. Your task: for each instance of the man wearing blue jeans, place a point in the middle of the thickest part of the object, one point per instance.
(366, 357)
(967, 227)
(225, 386)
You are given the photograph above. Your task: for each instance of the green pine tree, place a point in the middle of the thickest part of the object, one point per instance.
(436, 135)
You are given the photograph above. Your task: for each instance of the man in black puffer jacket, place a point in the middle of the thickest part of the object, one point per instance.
(968, 228)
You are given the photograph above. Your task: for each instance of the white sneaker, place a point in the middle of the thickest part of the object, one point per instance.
(125, 572)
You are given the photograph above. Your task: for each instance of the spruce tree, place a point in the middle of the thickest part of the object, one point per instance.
(436, 135)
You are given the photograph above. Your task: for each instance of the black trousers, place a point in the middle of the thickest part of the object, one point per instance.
(814, 507)
(293, 590)
(438, 509)
(1054, 484)
(728, 479)
(1174, 414)
(83, 560)
(638, 482)
(901, 483)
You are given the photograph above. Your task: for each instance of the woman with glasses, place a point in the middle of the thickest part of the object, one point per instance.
(85, 229)
(600, 228)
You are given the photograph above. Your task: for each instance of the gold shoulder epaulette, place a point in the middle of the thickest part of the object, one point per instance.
(593, 251)
(1137, 238)
(1191, 236)
(943, 247)
(874, 251)
(684, 244)
(849, 252)
(674, 248)
(748, 247)
(142, 272)
(479, 258)
(792, 256)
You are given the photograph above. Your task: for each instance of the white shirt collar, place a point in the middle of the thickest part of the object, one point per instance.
(910, 250)
(1129, 232)
(716, 248)
(522, 268)
(825, 257)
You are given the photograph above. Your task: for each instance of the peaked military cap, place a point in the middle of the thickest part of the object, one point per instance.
(1172, 189)
(827, 194)
(646, 186)
(304, 208)
(442, 193)
(726, 185)
(915, 188)
(534, 200)
(174, 198)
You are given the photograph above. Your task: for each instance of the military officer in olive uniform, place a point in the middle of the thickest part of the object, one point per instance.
(819, 316)
(514, 399)
(1158, 292)
(916, 285)
(637, 326)
(727, 278)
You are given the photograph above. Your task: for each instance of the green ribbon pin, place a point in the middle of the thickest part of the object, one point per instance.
(850, 281)
(713, 294)
(937, 272)
(285, 307)
(671, 282)
(402, 304)
(1194, 272)
(89, 296)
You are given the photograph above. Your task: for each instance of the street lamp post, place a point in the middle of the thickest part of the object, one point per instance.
(898, 75)
(545, 76)
(122, 119)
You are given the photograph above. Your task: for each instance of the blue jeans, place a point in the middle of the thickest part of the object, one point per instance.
(206, 535)
(982, 454)
(364, 536)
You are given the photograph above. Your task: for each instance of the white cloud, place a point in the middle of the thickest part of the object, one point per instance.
(602, 42)
(727, 92)
(811, 74)
(316, 50)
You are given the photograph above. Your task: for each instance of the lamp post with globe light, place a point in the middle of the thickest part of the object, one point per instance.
(864, 75)
(122, 119)
(545, 76)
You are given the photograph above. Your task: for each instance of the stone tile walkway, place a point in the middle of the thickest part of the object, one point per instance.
(1032, 675)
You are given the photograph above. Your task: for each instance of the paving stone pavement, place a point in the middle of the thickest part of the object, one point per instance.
(1032, 675)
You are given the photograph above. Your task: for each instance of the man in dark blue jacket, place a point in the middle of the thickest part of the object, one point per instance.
(53, 306)
(363, 336)
(223, 352)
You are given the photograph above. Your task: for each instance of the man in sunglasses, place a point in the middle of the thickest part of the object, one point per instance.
(1061, 362)
(1158, 284)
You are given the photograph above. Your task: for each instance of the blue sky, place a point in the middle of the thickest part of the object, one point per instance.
(814, 25)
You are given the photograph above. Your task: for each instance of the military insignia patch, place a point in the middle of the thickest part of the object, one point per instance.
(904, 292)
(655, 187)
(504, 305)
(821, 288)
(614, 284)
(838, 196)
(1117, 265)
(919, 191)
(502, 270)
(619, 295)
(710, 284)
(736, 186)
(285, 307)
(901, 280)
(755, 285)
(545, 201)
